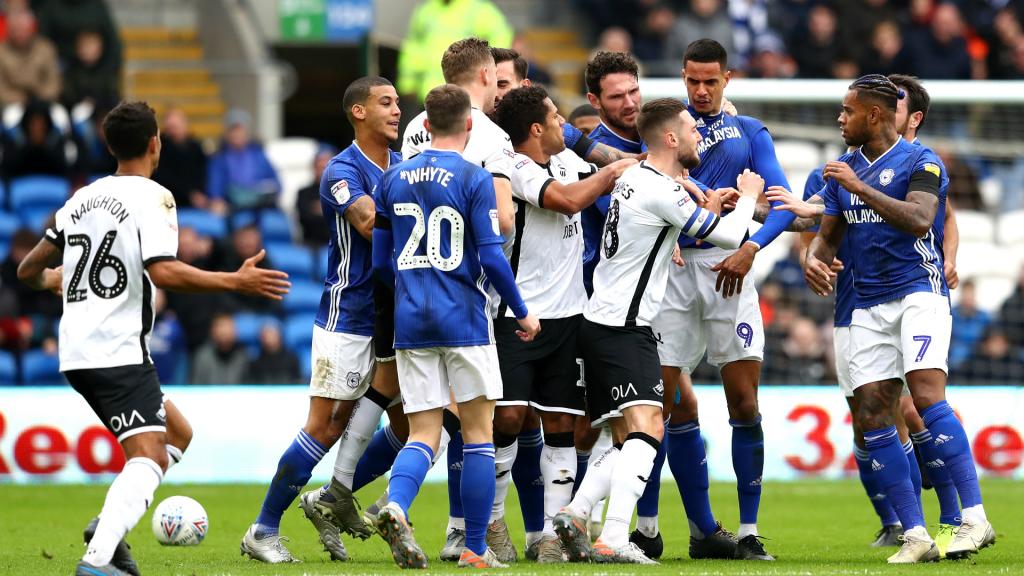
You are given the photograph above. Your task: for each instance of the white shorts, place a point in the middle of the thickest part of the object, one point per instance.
(694, 318)
(894, 338)
(841, 349)
(342, 365)
(428, 377)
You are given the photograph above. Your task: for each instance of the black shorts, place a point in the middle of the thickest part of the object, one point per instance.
(622, 369)
(127, 399)
(545, 373)
(384, 323)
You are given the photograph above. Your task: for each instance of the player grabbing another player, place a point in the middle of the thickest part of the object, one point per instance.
(550, 185)
(117, 238)
(436, 235)
(342, 353)
(887, 195)
(649, 208)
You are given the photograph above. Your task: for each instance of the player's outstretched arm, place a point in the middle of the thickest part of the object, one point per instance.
(808, 211)
(34, 270)
(572, 198)
(766, 163)
(914, 215)
(734, 269)
(950, 244)
(361, 215)
(499, 272)
(821, 254)
(177, 276)
(604, 155)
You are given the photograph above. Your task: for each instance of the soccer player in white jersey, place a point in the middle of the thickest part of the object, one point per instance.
(435, 237)
(623, 376)
(116, 239)
(550, 186)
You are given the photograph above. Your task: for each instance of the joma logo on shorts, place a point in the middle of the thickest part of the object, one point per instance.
(120, 421)
(621, 391)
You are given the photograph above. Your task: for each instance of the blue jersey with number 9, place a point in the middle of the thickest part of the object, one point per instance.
(440, 209)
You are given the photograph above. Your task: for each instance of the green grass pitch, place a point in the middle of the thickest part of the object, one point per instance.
(815, 527)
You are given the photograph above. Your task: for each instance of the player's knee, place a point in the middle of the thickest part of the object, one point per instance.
(585, 436)
(179, 434)
(744, 409)
(686, 409)
(508, 420)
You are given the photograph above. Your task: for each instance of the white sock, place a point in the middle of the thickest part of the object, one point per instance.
(504, 458)
(361, 426)
(127, 500)
(596, 483)
(627, 485)
(174, 455)
(974, 515)
(647, 525)
(747, 530)
(441, 446)
(558, 468)
(597, 512)
(455, 524)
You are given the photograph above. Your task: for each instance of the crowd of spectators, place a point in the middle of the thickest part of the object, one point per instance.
(932, 39)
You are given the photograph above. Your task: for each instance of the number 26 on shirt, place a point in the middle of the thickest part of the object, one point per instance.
(408, 259)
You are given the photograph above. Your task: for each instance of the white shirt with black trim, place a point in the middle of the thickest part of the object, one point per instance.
(546, 252)
(489, 146)
(647, 212)
(109, 231)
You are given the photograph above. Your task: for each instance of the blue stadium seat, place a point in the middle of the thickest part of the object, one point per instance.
(297, 261)
(8, 369)
(9, 224)
(275, 227)
(35, 217)
(39, 369)
(298, 333)
(322, 256)
(304, 296)
(203, 222)
(248, 326)
(5, 248)
(49, 191)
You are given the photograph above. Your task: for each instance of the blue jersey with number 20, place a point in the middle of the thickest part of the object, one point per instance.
(440, 208)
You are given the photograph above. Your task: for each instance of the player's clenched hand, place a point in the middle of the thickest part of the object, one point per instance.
(734, 269)
(729, 108)
(842, 174)
(729, 198)
(952, 278)
(789, 201)
(698, 195)
(819, 276)
(677, 256)
(530, 327)
(619, 166)
(253, 281)
(53, 280)
(750, 184)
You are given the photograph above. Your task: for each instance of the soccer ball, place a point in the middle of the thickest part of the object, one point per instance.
(179, 521)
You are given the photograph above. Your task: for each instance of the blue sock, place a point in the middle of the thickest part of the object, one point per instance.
(582, 461)
(478, 492)
(687, 458)
(876, 494)
(748, 463)
(293, 471)
(647, 505)
(455, 465)
(889, 463)
(407, 474)
(951, 446)
(915, 472)
(942, 482)
(528, 480)
(378, 458)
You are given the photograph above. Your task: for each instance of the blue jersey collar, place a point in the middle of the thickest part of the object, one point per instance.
(860, 151)
(384, 169)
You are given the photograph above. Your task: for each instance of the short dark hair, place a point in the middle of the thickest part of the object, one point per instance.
(877, 88)
(463, 58)
(582, 111)
(918, 98)
(519, 64)
(605, 63)
(706, 51)
(358, 92)
(654, 114)
(128, 129)
(447, 107)
(519, 110)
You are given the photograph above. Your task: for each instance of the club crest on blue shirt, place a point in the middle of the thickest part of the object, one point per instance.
(340, 191)
(886, 176)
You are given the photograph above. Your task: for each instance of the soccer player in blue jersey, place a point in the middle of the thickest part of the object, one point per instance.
(887, 195)
(437, 237)
(343, 352)
(696, 319)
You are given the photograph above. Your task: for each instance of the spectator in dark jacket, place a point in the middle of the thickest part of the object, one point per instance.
(182, 167)
(85, 77)
(275, 364)
(240, 172)
(36, 146)
(62, 20)
(222, 360)
(996, 361)
(940, 52)
(819, 47)
(887, 54)
(307, 204)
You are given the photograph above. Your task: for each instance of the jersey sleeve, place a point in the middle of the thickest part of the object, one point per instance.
(483, 212)
(340, 187)
(681, 211)
(500, 158)
(576, 141)
(415, 140)
(158, 227)
(381, 206)
(764, 161)
(576, 163)
(926, 174)
(813, 187)
(55, 233)
(529, 181)
(830, 194)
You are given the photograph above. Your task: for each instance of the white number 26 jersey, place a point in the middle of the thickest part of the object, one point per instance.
(109, 231)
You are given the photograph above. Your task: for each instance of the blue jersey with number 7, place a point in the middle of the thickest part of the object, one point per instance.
(440, 209)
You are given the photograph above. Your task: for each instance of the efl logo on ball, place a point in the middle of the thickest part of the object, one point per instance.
(180, 521)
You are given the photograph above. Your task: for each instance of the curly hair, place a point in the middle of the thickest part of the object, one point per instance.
(519, 110)
(605, 63)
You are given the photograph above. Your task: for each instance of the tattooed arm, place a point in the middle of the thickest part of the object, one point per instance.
(808, 211)
(603, 155)
(914, 215)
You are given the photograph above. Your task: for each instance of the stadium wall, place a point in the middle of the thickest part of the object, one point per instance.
(50, 435)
